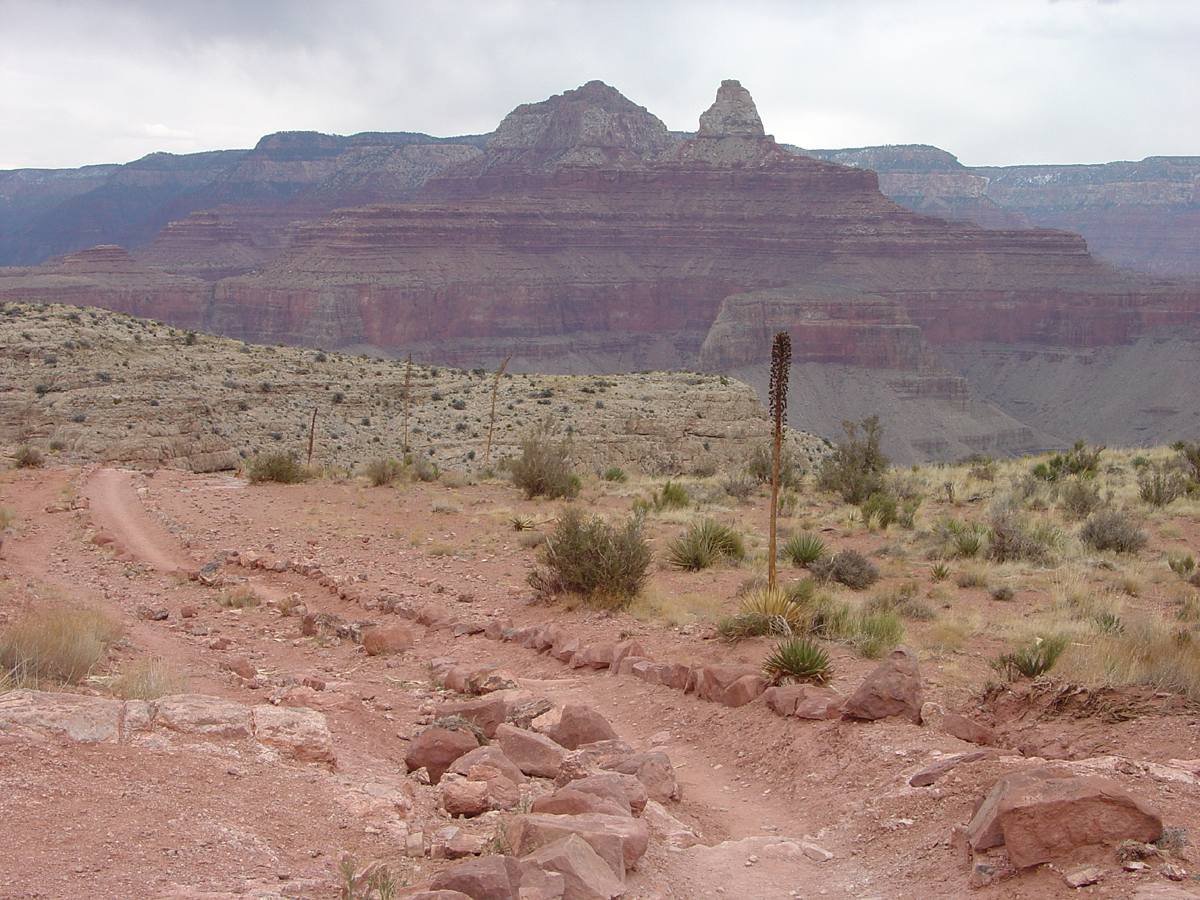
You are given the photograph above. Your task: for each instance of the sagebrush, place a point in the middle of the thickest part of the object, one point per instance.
(585, 555)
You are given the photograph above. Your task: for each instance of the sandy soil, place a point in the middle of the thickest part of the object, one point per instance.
(203, 818)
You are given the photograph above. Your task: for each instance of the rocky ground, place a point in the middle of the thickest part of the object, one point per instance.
(299, 757)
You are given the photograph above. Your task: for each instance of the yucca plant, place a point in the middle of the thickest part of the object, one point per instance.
(766, 611)
(705, 543)
(521, 522)
(939, 571)
(796, 660)
(804, 549)
(672, 496)
(1034, 659)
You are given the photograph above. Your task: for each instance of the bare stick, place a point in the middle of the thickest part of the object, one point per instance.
(781, 363)
(492, 423)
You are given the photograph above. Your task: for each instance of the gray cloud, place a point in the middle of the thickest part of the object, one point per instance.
(1012, 81)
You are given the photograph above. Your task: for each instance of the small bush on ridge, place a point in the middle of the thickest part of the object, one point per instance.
(857, 467)
(280, 467)
(1111, 529)
(383, 470)
(586, 555)
(544, 467)
(848, 567)
(1159, 487)
(28, 457)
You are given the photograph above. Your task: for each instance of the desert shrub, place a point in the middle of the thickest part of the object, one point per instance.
(857, 467)
(1079, 460)
(1184, 565)
(281, 467)
(1034, 659)
(1111, 529)
(1003, 594)
(904, 599)
(1079, 498)
(60, 643)
(848, 567)
(1159, 487)
(1012, 538)
(882, 507)
(972, 576)
(615, 473)
(384, 470)
(765, 610)
(704, 544)
(423, 469)
(544, 467)
(148, 679)
(672, 496)
(796, 660)
(804, 549)
(28, 457)
(586, 555)
(739, 487)
(939, 571)
(872, 634)
(760, 465)
(1189, 457)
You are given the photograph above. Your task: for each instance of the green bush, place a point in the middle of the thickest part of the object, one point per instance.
(796, 660)
(1079, 498)
(1159, 487)
(1079, 460)
(281, 467)
(804, 549)
(1111, 529)
(848, 567)
(544, 467)
(1012, 538)
(29, 458)
(1189, 457)
(587, 556)
(672, 496)
(882, 506)
(704, 544)
(875, 634)
(1032, 660)
(383, 470)
(760, 466)
(614, 473)
(857, 467)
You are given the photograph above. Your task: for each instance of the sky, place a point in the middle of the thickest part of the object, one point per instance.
(995, 82)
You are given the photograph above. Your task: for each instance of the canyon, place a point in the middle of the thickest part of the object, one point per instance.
(583, 236)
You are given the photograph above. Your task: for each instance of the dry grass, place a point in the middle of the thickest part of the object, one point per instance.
(674, 609)
(58, 643)
(1148, 651)
(242, 597)
(148, 679)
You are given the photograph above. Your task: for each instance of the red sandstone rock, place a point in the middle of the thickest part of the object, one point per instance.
(578, 725)
(436, 749)
(534, 754)
(1050, 818)
(486, 713)
(892, 689)
(968, 730)
(568, 802)
(492, 756)
(586, 876)
(486, 878)
(386, 639)
(619, 840)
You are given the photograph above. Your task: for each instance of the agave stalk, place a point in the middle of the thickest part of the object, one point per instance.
(492, 422)
(781, 363)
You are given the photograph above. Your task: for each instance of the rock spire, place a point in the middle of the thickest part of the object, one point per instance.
(732, 113)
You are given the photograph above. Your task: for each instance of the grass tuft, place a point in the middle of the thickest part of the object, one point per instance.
(59, 643)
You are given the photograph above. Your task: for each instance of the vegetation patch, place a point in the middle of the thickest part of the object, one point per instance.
(56, 643)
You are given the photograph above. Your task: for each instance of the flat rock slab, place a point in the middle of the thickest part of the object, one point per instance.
(939, 767)
(207, 716)
(88, 719)
(300, 734)
(619, 840)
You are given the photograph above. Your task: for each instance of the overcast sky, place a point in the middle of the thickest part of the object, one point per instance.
(996, 82)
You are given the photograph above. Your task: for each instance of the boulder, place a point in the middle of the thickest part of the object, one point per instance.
(625, 649)
(745, 690)
(565, 648)
(626, 790)
(436, 749)
(710, 682)
(968, 730)
(492, 756)
(568, 802)
(488, 680)
(539, 884)
(485, 713)
(672, 675)
(619, 840)
(585, 875)
(983, 831)
(534, 754)
(461, 797)
(892, 689)
(299, 734)
(804, 701)
(385, 639)
(594, 656)
(580, 724)
(1050, 818)
(655, 772)
(485, 878)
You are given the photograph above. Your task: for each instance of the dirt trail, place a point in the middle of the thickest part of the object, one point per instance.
(115, 506)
